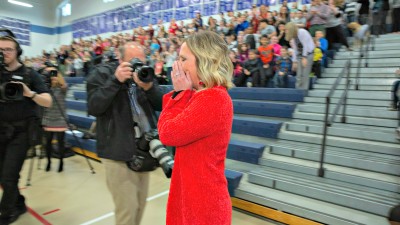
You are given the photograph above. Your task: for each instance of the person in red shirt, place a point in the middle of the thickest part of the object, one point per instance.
(266, 52)
(173, 27)
(197, 119)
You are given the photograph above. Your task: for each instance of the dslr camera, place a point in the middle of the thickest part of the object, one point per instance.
(48, 74)
(10, 91)
(145, 73)
(149, 143)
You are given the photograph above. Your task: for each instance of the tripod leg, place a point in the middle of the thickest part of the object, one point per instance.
(28, 179)
(61, 150)
(39, 148)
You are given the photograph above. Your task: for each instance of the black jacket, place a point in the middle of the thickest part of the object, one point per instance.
(108, 101)
(252, 65)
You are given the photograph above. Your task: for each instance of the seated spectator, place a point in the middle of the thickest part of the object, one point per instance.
(299, 20)
(243, 53)
(266, 29)
(394, 106)
(316, 67)
(294, 7)
(323, 43)
(266, 52)
(155, 45)
(173, 27)
(250, 38)
(282, 34)
(242, 24)
(277, 47)
(237, 67)
(231, 41)
(251, 71)
(198, 21)
(283, 69)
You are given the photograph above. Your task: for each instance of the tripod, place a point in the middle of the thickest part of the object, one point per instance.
(73, 134)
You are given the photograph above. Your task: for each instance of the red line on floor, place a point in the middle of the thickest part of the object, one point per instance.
(38, 217)
(49, 212)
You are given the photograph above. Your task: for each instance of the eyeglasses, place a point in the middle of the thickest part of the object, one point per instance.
(7, 50)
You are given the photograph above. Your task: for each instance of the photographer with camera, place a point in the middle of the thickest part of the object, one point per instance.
(21, 90)
(124, 109)
(53, 121)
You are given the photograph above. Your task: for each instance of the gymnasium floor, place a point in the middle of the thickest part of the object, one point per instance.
(78, 197)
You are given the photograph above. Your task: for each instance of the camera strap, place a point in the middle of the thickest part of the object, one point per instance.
(139, 116)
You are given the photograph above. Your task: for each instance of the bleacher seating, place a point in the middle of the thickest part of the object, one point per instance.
(245, 151)
(271, 94)
(233, 178)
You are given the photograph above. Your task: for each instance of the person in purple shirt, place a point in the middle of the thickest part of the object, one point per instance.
(303, 45)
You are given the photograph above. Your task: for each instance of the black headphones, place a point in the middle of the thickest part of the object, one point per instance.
(10, 36)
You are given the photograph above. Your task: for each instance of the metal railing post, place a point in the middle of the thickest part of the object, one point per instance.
(321, 170)
(343, 120)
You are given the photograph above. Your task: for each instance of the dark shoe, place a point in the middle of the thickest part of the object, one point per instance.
(61, 167)
(12, 217)
(48, 167)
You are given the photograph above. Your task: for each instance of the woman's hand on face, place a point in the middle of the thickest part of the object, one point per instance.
(180, 79)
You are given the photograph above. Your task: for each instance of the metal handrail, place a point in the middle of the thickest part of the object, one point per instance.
(329, 120)
(364, 51)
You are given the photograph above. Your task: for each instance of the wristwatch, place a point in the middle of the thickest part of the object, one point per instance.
(33, 95)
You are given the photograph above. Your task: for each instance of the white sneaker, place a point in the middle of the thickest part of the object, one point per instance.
(249, 84)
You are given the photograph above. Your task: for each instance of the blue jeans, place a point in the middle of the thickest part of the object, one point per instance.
(281, 81)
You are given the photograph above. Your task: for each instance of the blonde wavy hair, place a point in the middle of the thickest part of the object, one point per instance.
(214, 66)
(291, 31)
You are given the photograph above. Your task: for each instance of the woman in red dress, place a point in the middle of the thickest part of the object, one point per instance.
(197, 119)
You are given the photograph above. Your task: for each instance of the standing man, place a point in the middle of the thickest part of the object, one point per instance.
(119, 105)
(16, 118)
(318, 16)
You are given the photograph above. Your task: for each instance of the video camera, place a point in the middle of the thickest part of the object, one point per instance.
(10, 91)
(150, 143)
(145, 73)
(48, 74)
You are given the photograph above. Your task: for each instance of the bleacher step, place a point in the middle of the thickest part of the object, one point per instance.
(350, 111)
(306, 207)
(353, 94)
(371, 55)
(392, 123)
(370, 146)
(369, 202)
(385, 88)
(367, 81)
(358, 102)
(356, 159)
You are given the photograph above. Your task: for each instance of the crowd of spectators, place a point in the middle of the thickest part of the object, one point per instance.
(256, 38)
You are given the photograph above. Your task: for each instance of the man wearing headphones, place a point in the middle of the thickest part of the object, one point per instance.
(15, 120)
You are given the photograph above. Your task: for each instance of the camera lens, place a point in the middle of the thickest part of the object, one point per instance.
(13, 91)
(146, 74)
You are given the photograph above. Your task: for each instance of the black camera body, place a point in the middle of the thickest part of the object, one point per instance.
(151, 150)
(10, 91)
(145, 73)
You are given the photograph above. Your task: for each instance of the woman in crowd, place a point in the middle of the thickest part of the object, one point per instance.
(303, 45)
(53, 121)
(197, 120)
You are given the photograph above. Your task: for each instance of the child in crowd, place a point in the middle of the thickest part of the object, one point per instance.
(170, 56)
(237, 66)
(323, 46)
(251, 70)
(244, 52)
(283, 69)
(316, 67)
(266, 52)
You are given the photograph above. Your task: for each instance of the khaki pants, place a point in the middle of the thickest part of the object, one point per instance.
(129, 191)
